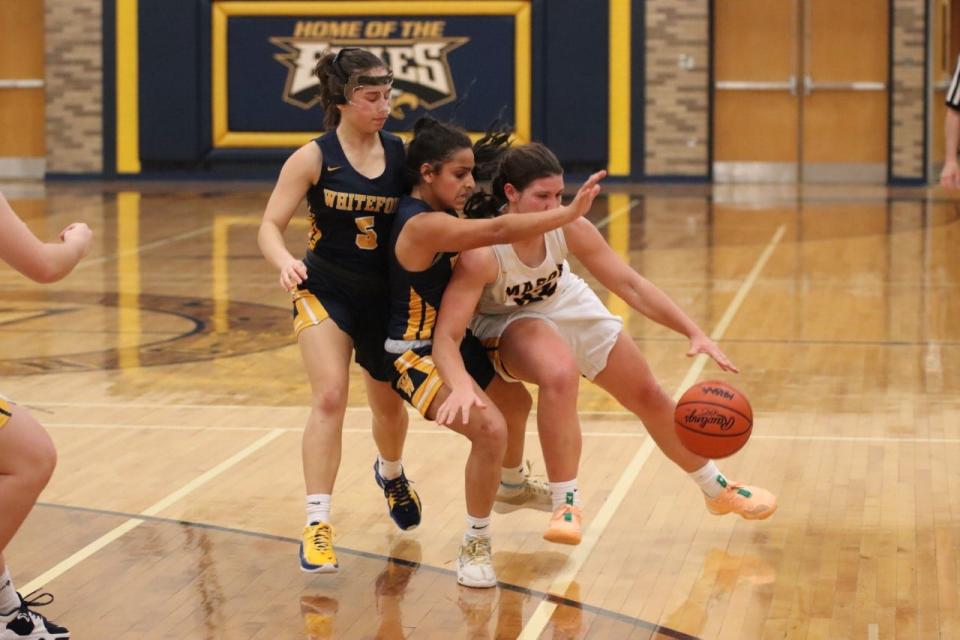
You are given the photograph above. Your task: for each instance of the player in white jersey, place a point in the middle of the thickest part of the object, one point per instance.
(544, 325)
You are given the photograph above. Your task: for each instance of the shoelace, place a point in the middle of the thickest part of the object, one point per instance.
(321, 538)
(27, 603)
(478, 550)
(739, 489)
(399, 490)
(538, 487)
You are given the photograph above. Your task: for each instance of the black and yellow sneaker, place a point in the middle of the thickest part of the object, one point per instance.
(30, 625)
(316, 549)
(403, 503)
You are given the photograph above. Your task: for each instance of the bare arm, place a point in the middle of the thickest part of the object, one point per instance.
(950, 176)
(474, 270)
(40, 261)
(299, 173)
(431, 233)
(592, 250)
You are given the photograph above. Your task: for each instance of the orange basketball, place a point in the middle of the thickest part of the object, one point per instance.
(713, 419)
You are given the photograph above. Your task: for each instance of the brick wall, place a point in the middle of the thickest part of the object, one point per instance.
(74, 74)
(908, 76)
(677, 90)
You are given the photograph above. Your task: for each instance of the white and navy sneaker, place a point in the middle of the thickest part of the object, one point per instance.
(30, 625)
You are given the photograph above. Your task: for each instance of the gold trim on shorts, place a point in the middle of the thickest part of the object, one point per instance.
(6, 411)
(309, 311)
(421, 397)
(492, 345)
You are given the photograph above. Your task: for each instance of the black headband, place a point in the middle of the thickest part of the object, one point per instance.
(336, 63)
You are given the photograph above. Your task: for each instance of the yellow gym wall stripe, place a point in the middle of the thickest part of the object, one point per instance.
(128, 280)
(620, 84)
(128, 109)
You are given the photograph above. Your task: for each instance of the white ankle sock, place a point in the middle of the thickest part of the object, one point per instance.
(559, 491)
(709, 479)
(9, 601)
(479, 527)
(512, 477)
(318, 507)
(389, 469)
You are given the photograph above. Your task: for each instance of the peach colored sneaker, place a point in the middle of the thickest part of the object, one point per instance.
(564, 525)
(750, 503)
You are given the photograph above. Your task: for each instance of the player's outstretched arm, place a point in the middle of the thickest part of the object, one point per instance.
(436, 232)
(40, 261)
(613, 272)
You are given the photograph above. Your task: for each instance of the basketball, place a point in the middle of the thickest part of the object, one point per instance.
(713, 419)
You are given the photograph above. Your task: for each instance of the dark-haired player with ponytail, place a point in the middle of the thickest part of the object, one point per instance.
(545, 325)
(428, 232)
(351, 178)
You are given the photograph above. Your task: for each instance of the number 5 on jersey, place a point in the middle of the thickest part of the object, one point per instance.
(367, 238)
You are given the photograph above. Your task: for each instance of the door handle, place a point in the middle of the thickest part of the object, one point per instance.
(21, 83)
(809, 86)
(758, 85)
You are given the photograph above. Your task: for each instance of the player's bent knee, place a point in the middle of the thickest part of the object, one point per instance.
(490, 432)
(564, 378)
(330, 401)
(39, 461)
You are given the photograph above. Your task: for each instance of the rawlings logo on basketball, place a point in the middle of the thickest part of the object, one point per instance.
(417, 58)
(706, 417)
(717, 391)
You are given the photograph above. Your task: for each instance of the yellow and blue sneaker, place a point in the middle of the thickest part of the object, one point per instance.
(403, 503)
(316, 549)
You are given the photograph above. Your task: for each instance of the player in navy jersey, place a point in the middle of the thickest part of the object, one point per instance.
(427, 235)
(351, 178)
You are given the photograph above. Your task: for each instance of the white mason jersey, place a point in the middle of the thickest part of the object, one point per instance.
(521, 286)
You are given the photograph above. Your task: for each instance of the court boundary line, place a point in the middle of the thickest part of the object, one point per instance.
(538, 620)
(559, 600)
(121, 530)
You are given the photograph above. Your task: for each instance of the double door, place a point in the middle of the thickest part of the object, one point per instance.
(800, 92)
(22, 126)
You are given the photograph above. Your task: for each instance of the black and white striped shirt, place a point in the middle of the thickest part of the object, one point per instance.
(953, 91)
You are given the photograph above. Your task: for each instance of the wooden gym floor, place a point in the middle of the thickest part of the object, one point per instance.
(166, 371)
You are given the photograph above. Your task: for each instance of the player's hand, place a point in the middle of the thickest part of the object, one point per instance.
(584, 199)
(460, 401)
(702, 344)
(79, 235)
(950, 176)
(293, 274)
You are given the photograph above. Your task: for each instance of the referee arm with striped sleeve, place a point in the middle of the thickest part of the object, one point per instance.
(950, 176)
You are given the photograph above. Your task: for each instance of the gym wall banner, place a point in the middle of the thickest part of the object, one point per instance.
(466, 61)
